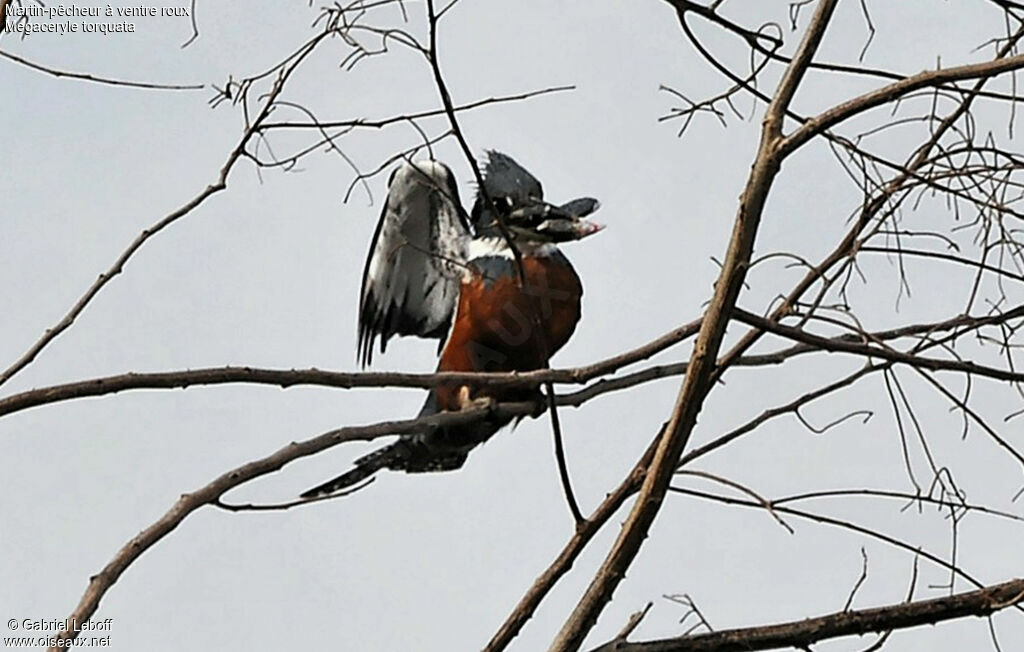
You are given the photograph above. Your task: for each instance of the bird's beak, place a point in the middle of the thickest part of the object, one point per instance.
(583, 228)
(578, 210)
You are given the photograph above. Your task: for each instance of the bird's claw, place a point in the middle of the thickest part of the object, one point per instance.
(467, 402)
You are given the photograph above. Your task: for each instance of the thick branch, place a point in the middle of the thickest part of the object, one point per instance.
(802, 633)
(808, 343)
(702, 363)
(292, 377)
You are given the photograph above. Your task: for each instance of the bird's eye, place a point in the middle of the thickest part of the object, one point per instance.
(502, 204)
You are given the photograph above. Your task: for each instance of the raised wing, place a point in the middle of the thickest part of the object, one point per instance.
(413, 271)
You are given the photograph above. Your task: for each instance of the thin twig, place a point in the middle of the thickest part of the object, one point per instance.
(108, 81)
(538, 327)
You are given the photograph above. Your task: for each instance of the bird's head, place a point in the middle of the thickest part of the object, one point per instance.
(518, 198)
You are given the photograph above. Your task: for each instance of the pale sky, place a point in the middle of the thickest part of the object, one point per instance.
(267, 273)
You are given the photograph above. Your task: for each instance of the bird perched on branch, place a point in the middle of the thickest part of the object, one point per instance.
(492, 286)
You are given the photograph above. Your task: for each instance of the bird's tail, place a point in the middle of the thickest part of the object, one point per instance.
(435, 450)
(409, 454)
(388, 457)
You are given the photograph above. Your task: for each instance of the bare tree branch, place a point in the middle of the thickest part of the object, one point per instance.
(886, 94)
(867, 350)
(416, 115)
(285, 378)
(292, 377)
(702, 362)
(64, 74)
(803, 633)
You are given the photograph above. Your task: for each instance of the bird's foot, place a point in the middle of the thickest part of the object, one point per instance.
(467, 402)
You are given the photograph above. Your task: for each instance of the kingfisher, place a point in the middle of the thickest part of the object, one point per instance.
(492, 286)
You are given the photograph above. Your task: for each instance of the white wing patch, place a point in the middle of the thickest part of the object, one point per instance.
(412, 276)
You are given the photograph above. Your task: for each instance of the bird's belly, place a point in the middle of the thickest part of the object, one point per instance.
(496, 323)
